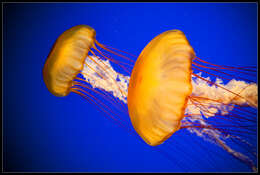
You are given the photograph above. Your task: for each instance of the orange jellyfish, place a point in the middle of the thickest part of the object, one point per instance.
(164, 93)
(70, 68)
(67, 58)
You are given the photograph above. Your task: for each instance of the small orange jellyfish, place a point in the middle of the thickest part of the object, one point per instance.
(164, 93)
(67, 59)
(70, 68)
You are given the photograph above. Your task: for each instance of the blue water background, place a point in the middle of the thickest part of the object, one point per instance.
(45, 133)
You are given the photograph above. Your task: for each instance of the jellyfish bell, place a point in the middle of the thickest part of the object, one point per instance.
(67, 58)
(159, 86)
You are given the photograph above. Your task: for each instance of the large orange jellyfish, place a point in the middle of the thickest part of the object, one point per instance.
(160, 86)
(164, 94)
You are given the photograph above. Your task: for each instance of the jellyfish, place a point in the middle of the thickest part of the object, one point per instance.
(163, 94)
(77, 64)
(160, 87)
(70, 57)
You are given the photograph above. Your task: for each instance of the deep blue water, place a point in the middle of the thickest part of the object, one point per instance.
(45, 133)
